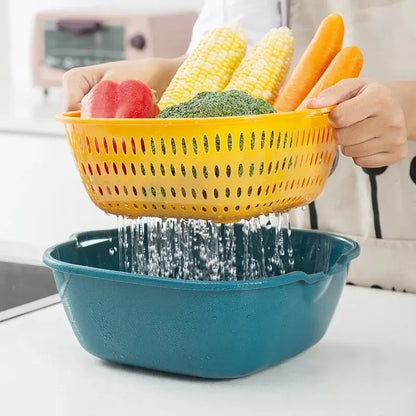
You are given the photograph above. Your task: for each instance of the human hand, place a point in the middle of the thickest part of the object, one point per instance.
(156, 73)
(369, 122)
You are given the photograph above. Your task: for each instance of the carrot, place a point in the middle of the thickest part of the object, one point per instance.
(326, 43)
(347, 64)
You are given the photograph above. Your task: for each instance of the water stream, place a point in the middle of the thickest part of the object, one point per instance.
(203, 250)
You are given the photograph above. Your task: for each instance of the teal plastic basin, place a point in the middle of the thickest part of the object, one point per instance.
(199, 328)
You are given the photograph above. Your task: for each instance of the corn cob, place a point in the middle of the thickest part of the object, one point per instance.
(209, 67)
(262, 72)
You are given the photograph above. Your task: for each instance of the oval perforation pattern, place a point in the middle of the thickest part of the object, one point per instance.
(220, 172)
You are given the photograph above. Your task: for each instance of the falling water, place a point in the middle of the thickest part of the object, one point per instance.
(202, 250)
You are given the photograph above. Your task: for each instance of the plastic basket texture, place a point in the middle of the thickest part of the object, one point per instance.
(206, 329)
(222, 169)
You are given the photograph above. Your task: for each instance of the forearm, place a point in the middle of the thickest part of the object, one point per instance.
(405, 92)
(155, 72)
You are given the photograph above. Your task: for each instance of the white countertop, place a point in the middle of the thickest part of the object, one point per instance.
(364, 365)
(25, 109)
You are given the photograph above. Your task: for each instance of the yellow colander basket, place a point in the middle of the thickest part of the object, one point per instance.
(221, 169)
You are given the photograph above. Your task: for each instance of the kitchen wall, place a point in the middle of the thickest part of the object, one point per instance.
(4, 40)
(21, 14)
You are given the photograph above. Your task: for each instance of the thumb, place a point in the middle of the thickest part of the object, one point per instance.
(341, 91)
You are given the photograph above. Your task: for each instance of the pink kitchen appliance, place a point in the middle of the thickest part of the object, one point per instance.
(64, 40)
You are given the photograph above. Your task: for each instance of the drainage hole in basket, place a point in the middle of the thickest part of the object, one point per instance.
(262, 139)
(279, 139)
(144, 192)
(173, 192)
(271, 139)
(204, 194)
(107, 169)
(173, 145)
(123, 168)
(87, 140)
(143, 170)
(217, 142)
(251, 170)
(124, 145)
(133, 169)
(194, 145)
(238, 192)
(90, 169)
(194, 172)
(228, 171)
(205, 143)
(205, 172)
(240, 170)
(97, 147)
(215, 193)
(229, 142)
(252, 140)
(183, 192)
(227, 192)
(134, 190)
(163, 192)
(183, 170)
(152, 169)
(133, 145)
(276, 167)
(116, 189)
(153, 191)
(114, 145)
(172, 169)
(193, 192)
(115, 168)
(162, 145)
(152, 145)
(241, 141)
(162, 169)
(125, 190)
(216, 171)
(100, 190)
(261, 168)
(143, 146)
(105, 145)
(249, 190)
(184, 149)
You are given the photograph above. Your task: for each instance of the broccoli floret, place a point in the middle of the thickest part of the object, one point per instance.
(218, 104)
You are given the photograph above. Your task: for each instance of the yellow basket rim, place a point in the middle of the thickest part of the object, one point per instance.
(74, 117)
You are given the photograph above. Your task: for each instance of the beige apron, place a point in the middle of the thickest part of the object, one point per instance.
(385, 30)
